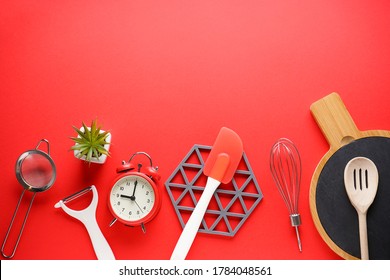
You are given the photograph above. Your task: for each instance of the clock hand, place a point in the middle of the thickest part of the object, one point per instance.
(135, 187)
(132, 198)
(138, 206)
(126, 196)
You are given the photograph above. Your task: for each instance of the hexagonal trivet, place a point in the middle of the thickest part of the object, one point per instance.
(231, 204)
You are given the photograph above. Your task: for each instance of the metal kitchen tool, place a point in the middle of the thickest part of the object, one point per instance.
(333, 214)
(88, 218)
(285, 163)
(232, 203)
(220, 167)
(36, 172)
(361, 184)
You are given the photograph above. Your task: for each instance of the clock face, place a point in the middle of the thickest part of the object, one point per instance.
(132, 198)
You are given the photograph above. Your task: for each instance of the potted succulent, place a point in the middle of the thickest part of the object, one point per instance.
(92, 144)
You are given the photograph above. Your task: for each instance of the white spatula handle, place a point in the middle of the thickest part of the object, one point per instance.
(187, 237)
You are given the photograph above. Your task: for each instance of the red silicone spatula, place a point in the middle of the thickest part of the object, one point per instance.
(220, 167)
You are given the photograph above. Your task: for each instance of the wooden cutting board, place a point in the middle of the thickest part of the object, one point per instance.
(334, 217)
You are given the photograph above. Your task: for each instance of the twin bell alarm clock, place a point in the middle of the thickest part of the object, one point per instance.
(135, 198)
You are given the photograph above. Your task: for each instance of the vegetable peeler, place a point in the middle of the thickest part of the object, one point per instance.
(88, 218)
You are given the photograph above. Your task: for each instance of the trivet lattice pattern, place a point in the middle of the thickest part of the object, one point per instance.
(231, 204)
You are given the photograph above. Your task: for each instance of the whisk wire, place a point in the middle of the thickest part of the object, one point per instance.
(285, 164)
(282, 176)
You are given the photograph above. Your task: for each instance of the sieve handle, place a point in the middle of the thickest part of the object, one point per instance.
(48, 145)
(21, 229)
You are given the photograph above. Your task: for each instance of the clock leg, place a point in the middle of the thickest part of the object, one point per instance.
(113, 222)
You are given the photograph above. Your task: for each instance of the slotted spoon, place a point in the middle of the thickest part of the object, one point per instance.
(361, 184)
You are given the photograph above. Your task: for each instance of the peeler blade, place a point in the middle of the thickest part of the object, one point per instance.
(73, 196)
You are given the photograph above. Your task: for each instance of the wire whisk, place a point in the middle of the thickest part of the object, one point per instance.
(285, 163)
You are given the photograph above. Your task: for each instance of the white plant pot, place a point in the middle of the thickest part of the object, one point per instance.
(102, 159)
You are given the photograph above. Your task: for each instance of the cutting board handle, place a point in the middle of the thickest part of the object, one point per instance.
(334, 121)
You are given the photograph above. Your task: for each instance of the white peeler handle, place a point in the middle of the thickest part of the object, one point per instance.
(99, 242)
(187, 237)
(88, 218)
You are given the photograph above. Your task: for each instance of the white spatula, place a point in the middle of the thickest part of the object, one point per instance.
(220, 166)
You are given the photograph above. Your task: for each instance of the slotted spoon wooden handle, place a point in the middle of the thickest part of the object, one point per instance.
(363, 237)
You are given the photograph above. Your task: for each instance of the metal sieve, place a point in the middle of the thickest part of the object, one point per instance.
(36, 172)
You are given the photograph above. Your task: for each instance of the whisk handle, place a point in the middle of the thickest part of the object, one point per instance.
(295, 220)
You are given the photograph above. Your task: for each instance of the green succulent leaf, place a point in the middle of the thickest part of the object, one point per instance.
(90, 142)
(87, 133)
(80, 133)
(102, 136)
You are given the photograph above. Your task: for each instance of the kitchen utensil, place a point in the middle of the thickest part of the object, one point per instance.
(88, 218)
(361, 184)
(285, 163)
(135, 197)
(232, 203)
(36, 172)
(333, 215)
(220, 167)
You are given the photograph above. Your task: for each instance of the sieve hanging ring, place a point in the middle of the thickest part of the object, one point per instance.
(48, 145)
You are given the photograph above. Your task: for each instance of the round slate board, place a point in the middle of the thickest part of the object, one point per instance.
(336, 214)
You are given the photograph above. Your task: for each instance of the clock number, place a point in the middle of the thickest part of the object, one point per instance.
(132, 199)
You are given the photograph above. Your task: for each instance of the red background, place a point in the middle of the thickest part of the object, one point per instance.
(165, 75)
